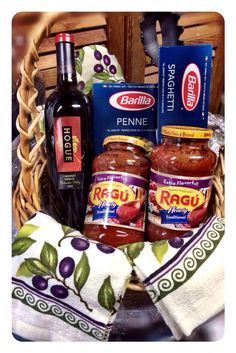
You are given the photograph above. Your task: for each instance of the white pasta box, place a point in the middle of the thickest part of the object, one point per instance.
(184, 85)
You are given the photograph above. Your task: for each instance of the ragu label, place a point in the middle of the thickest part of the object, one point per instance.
(132, 100)
(178, 202)
(67, 139)
(191, 87)
(117, 199)
(181, 197)
(119, 193)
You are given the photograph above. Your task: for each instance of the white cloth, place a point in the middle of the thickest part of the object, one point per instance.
(187, 283)
(82, 294)
(94, 64)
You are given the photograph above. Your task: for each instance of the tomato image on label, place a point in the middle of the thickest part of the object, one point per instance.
(178, 207)
(114, 202)
(128, 211)
(197, 215)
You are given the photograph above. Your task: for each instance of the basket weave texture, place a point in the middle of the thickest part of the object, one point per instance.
(27, 194)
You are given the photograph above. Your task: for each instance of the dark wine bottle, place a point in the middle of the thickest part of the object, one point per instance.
(68, 140)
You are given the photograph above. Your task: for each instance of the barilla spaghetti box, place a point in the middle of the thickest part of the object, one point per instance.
(184, 83)
(124, 109)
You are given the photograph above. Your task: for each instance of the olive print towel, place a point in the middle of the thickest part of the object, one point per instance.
(184, 276)
(94, 63)
(65, 288)
(69, 288)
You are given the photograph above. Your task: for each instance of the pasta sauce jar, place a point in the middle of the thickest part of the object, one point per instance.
(181, 176)
(118, 192)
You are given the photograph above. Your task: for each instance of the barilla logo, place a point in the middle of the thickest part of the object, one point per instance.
(111, 192)
(181, 197)
(191, 87)
(132, 100)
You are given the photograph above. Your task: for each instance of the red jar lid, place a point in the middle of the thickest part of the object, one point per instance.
(64, 37)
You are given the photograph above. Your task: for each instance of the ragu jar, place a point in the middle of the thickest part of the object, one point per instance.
(118, 192)
(181, 175)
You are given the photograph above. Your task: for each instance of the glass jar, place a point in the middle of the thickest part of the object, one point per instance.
(118, 192)
(181, 175)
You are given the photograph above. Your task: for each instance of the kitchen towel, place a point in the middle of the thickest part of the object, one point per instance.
(69, 288)
(94, 63)
(184, 276)
(65, 288)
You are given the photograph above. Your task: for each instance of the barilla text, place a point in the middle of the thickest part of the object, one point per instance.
(124, 109)
(184, 84)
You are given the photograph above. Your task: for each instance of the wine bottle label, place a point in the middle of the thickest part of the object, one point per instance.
(68, 181)
(67, 141)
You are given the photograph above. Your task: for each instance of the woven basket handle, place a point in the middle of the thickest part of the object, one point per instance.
(26, 199)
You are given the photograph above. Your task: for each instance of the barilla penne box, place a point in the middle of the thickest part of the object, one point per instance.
(184, 83)
(124, 109)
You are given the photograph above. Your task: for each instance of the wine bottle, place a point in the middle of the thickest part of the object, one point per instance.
(68, 140)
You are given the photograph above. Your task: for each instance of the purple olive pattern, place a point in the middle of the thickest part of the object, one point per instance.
(79, 244)
(107, 249)
(49, 267)
(66, 267)
(58, 291)
(104, 70)
(49, 273)
(176, 242)
(40, 282)
(96, 63)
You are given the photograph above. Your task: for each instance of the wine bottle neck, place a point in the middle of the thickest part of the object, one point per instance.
(66, 73)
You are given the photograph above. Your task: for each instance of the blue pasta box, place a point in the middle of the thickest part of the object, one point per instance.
(184, 84)
(124, 109)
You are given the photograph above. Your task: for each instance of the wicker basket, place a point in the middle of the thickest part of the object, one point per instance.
(27, 195)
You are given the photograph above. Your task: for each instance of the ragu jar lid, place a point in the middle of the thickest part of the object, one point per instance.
(64, 37)
(186, 132)
(136, 141)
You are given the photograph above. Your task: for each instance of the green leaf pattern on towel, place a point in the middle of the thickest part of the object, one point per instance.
(132, 251)
(49, 257)
(26, 230)
(67, 233)
(93, 46)
(103, 76)
(159, 249)
(47, 264)
(81, 55)
(78, 66)
(79, 61)
(81, 272)
(23, 270)
(20, 245)
(67, 230)
(36, 267)
(102, 64)
(106, 296)
(88, 86)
